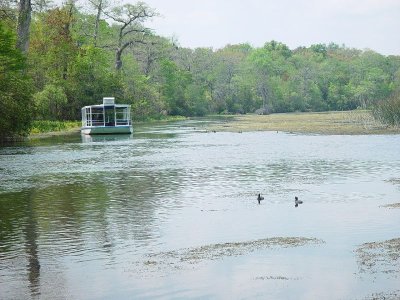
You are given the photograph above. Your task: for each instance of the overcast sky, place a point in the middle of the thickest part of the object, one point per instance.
(372, 24)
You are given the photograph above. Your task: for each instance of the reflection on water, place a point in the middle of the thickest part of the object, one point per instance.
(105, 137)
(84, 217)
(31, 236)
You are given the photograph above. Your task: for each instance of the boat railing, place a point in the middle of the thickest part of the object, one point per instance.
(118, 122)
(97, 123)
(122, 122)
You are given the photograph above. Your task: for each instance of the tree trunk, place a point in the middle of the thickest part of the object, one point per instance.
(24, 22)
(96, 25)
(118, 60)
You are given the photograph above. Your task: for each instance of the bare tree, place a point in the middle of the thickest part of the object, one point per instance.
(130, 19)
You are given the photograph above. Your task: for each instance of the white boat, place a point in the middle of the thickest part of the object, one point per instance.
(106, 118)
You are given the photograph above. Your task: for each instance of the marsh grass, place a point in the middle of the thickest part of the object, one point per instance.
(346, 122)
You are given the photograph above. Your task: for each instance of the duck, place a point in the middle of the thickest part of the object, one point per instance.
(259, 198)
(297, 201)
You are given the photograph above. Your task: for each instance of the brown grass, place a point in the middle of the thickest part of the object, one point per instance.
(348, 122)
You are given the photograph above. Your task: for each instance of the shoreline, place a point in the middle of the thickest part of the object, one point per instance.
(359, 122)
(43, 135)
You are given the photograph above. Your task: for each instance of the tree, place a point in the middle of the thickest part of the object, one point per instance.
(268, 62)
(16, 104)
(8, 12)
(24, 22)
(129, 21)
(99, 6)
(53, 47)
(175, 84)
(50, 102)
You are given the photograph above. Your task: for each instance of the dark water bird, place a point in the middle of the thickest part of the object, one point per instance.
(259, 198)
(297, 201)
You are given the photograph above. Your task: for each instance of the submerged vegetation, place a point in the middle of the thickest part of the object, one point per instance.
(78, 52)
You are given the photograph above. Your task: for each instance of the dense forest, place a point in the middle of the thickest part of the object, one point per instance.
(54, 59)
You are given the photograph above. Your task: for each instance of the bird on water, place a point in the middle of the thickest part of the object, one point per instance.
(297, 201)
(259, 198)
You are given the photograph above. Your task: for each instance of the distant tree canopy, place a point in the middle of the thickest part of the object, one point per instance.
(77, 55)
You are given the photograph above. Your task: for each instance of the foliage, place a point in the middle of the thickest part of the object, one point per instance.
(76, 54)
(50, 102)
(42, 126)
(15, 88)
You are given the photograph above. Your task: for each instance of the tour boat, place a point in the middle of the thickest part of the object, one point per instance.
(106, 118)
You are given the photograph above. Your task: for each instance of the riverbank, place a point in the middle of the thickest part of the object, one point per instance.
(343, 122)
(359, 122)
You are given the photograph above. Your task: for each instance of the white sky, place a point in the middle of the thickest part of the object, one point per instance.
(362, 24)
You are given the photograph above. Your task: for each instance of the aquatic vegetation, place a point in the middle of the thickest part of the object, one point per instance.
(392, 205)
(377, 257)
(276, 278)
(219, 251)
(394, 295)
(394, 181)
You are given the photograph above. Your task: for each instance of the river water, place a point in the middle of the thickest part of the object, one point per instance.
(171, 212)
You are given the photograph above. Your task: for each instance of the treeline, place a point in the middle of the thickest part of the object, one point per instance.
(79, 54)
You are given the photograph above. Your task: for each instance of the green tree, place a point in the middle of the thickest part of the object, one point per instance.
(270, 61)
(16, 103)
(173, 88)
(50, 103)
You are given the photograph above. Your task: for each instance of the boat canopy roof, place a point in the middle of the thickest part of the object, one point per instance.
(108, 102)
(108, 105)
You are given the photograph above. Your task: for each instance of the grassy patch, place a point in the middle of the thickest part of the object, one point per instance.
(45, 126)
(347, 122)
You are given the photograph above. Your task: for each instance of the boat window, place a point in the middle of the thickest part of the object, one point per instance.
(109, 116)
(122, 116)
(97, 116)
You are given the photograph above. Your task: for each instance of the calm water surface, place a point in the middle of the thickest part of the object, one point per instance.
(115, 217)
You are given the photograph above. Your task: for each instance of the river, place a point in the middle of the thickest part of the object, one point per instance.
(171, 212)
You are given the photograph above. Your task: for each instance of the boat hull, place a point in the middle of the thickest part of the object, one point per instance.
(107, 130)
